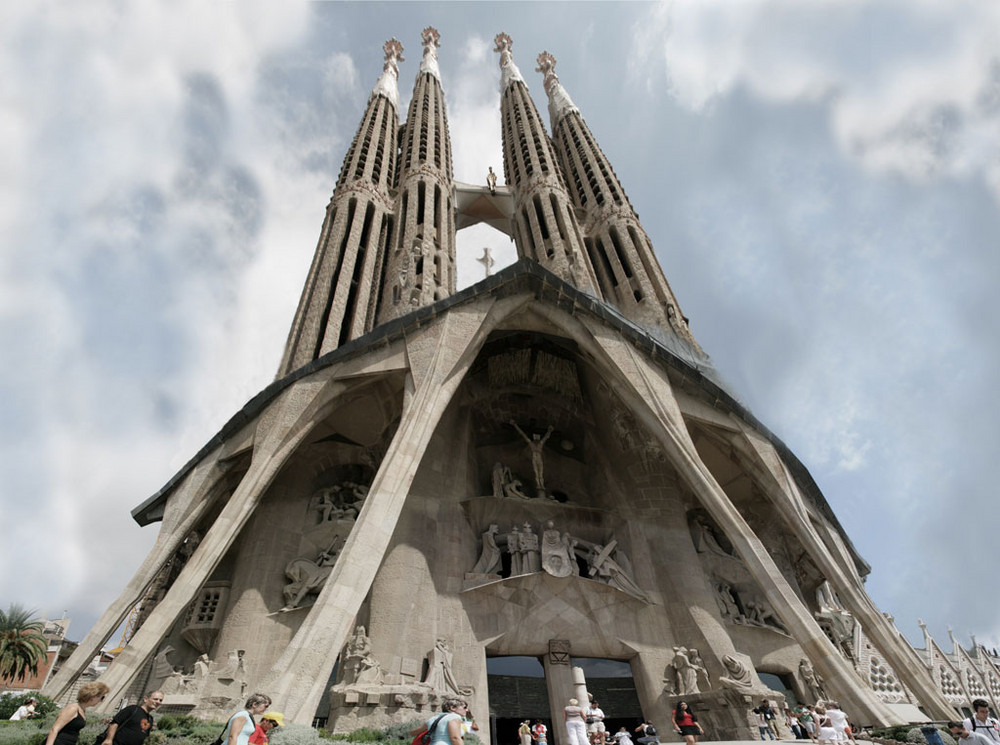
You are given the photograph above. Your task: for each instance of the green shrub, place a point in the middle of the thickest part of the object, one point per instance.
(10, 704)
(295, 734)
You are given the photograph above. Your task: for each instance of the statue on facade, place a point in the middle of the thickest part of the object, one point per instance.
(558, 554)
(491, 180)
(440, 676)
(738, 675)
(489, 559)
(728, 604)
(531, 561)
(609, 571)
(811, 680)
(536, 444)
(681, 675)
(308, 577)
(505, 485)
(706, 539)
(514, 549)
(695, 657)
(759, 613)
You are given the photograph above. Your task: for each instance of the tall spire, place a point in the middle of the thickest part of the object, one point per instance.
(560, 103)
(388, 82)
(420, 254)
(431, 40)
(338, 299)
(544, 226)
(621, 253)
(508, 70)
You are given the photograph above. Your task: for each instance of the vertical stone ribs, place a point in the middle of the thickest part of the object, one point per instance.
(420, 257)
(338, 299)
(619, 249)
(545, 228)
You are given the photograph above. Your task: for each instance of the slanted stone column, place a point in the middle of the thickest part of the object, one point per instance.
(440, 357)
(761, 459)
(183, 511)
(651, 398)
(283, 427)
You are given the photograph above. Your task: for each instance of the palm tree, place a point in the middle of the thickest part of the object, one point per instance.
(22, 645)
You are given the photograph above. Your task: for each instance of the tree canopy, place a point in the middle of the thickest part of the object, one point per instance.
(22, 645)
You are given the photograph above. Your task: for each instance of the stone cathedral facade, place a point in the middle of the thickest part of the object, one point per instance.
(541, 465)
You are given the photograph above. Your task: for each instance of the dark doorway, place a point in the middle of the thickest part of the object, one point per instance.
(517, 693)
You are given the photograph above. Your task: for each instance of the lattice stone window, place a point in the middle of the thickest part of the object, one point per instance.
(975, 686)
(882, 679)
(949, 686)
(205, 615)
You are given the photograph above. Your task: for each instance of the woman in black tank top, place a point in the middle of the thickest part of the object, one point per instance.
(73, 718)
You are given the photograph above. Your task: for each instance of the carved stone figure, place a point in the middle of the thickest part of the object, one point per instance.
(439, 672)
(308, 577)
(728, 606)
(489, 559)
(695, 657)
(491, 180)
(607, 570)
(505, 485)
(706, 539)
(531, 561)
(514, 549)
(684, 672)
(811, 680)
(758, 613)
(536, 444)
(558, 557)
(738, 675)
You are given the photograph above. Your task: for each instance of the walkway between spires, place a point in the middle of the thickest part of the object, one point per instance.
(475, 204)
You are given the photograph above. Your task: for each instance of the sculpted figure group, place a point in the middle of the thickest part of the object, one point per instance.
(557, 553)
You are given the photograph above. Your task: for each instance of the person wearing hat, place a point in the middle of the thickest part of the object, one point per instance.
(268, 722)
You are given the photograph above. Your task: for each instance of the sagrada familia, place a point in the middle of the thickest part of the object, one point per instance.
(544, 465)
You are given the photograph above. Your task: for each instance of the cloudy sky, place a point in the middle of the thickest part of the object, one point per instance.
(821, 181)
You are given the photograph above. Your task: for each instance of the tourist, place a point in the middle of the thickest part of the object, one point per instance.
(262, 733)
(981, 722)
(539, 733)
(648, 734)
(761, 720)
(838, 720)
(73, 718)
(622, 737)
(132, 725)
(25, 711)
(524, 732)
(686, 723)
(469, 723)
(576, 728)
(241, 724)
(961, 732)
(792, 720)
(825, 732)
(769, 716)
(806, 721)
(446, 727)
(595, 719)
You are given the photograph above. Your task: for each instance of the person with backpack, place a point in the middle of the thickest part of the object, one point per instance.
(981, 722)
(647, 734)
(446, 727)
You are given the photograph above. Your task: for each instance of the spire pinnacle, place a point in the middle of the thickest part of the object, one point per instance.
(388, 80)
(560, 103)
(431, 40)
(508, 70)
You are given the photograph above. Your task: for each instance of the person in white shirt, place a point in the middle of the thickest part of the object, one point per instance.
(981, 722)
(595, 718)
(964, 736)
(838, 720)
(26, 711)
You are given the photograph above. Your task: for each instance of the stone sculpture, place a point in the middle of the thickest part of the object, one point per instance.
(811, 680)
(726, 599)
(440, 676)
(505, 485)
(606, 569)
(706, 540)
(558, 556)
(307, 577)
(360, 665)
(681, 676)
(491, 181)
(738, 675)
(489, 560)
(514, 549)
(536, 444)
(531, 561)
(340, 502)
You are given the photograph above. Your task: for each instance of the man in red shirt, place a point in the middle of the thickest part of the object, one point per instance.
(268, 722)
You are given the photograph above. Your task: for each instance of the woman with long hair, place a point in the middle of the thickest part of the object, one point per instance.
(686, 723)
(73, 718)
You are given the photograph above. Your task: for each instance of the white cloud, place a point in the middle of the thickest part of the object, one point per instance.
(911, 87)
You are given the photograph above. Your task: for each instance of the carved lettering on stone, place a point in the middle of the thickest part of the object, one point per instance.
(559, 652)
